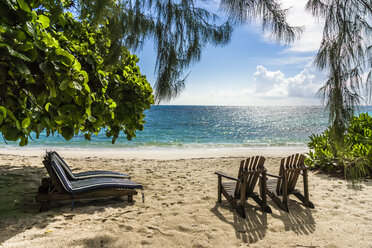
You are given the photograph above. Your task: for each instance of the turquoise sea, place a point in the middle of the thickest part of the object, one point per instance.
(210, 127)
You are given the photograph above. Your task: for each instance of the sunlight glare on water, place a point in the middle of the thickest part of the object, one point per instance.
(211, 126)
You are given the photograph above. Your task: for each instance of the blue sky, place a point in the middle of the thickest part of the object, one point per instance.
(252, 69)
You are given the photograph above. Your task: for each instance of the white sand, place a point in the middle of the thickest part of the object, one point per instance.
(180, 208)
(159, 153)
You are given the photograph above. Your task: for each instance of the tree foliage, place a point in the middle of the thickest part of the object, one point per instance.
(56, 75)
(180, 30)
(346, 54)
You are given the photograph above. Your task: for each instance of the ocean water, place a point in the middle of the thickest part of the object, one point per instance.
(210, 127)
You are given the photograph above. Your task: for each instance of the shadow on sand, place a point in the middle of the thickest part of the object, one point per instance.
(357, 185)
(299, 219)
(253, 228)
(19, 211)
(249, 230)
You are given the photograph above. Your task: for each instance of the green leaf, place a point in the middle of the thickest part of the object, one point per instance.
(44, 21)
(17, 124)
(1, 119)
(17, 54)
(64, 84)
(23, 6)
(85, 75)
(87, 88)
(50, 41)
(20, 36)
(21, 67)
(25, 47)
(112, 105)
(30, 28)
(47, 106)
(66, 57)
(76, 65)
(91, 118)
(67, 132)
(10, 113)
(26, 123)
(3, 111)
(75, 85)
(88, 111)
(24, 141)
(92, 41)
(52, 89)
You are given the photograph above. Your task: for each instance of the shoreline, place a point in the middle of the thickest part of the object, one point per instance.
(157, 153)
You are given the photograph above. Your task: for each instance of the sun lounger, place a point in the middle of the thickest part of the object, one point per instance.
(60, 187)
(237, 192)
(86, 174)
(284, 185)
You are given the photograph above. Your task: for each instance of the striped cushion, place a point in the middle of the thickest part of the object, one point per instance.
(85, 174)
(104, 182)
(62, 176)
(78, 186)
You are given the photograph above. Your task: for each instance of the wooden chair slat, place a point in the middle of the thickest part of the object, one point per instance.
(300, 166)
(253, 182)
(289, 171)
(247, 161)
(240, 173)
(259, 162)
(279, 181)
(238, 192)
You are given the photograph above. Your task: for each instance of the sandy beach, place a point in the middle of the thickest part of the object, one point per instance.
(180, 208)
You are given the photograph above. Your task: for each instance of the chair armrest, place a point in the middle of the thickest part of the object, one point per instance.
(271, 175)
(226, 176)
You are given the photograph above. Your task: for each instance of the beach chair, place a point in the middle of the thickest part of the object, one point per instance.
(86, 174)
(242, 188)
(285, 184)
(59, 187)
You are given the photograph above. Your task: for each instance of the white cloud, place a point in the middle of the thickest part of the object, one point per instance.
(274, 84)
(267, 88)
(298, 16)
(294, 61)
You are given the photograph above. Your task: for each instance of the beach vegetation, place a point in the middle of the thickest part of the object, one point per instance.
(352, 157)
(57, 75)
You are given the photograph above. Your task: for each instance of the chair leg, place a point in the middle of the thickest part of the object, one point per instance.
(306, 188)
(303, 199)
(239, 208)
(241, 211)
(285, 191)
(264, 207)
(277, 200)
(219, 188)
(263, 188)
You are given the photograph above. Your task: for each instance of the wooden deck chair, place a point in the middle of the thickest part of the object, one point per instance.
(242, 188)
(285, 184)
(59, 187)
